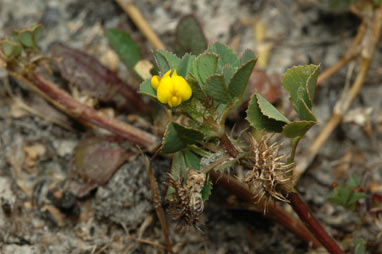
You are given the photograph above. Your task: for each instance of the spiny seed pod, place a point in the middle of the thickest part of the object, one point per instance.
(270, 178)
(186, 203)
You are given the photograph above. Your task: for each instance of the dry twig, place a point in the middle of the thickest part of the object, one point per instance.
(352, 52)
(156, 198)
(369, 43)
(141, 23)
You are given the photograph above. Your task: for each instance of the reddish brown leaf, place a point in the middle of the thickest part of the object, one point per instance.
(94, 79)
(96, 159)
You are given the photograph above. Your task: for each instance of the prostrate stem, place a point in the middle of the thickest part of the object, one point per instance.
(312, 223)
(275, 212)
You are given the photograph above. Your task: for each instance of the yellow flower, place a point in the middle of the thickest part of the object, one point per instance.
(171, 89)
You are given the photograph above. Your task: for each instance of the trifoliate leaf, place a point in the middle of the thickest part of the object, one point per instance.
(300, 83)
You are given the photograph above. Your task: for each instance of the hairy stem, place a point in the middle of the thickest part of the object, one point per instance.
(231, 149)
(312, 223)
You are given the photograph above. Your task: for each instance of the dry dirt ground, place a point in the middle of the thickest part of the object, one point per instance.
(35, 153)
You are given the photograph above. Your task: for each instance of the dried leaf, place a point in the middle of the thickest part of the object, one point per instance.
(94, 79)
(96, 159)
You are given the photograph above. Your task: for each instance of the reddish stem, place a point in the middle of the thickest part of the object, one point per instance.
(312, 223)
(275, 212)
(231, 149)
(69, 105)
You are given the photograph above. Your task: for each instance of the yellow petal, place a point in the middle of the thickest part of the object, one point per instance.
(167, 74)
(155, 81)
(182, 88)
(174, 101)
(165, 89)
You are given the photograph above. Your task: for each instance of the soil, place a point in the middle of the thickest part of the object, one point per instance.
(112, 217)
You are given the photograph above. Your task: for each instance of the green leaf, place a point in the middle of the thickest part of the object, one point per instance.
(206, 191)
(297, 128)
(172, 60)
(216, 88)
(184, 67)
(345, 194)
(247, 56)
(10, 49)
(226, 56)
(303, 112)
(162, 62)
(353, 181)
(125, 47)
(37, 30)
(192, 160)
(258, 106)
(178, 137)
(269, 110)
(340, 195)
(359, 246)
(195, 109)
(178, 168)
(178, 165)
(26, 38)
(354, 197)
(204, 66)
(338, 5)
(311, 83)
(300, 82)
(189, 37)
(146, 89)
(228, 72)
(240, 79)
(197, 91)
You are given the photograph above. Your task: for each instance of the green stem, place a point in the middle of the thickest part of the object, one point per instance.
(225, 114)
(294, 142)
(215, 164)
(199, 151)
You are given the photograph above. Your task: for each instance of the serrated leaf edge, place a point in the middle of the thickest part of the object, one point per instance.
(311, 96)
(237, 70)
(300, 121)
(256, 94)
(246, 118)
(225, 85)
